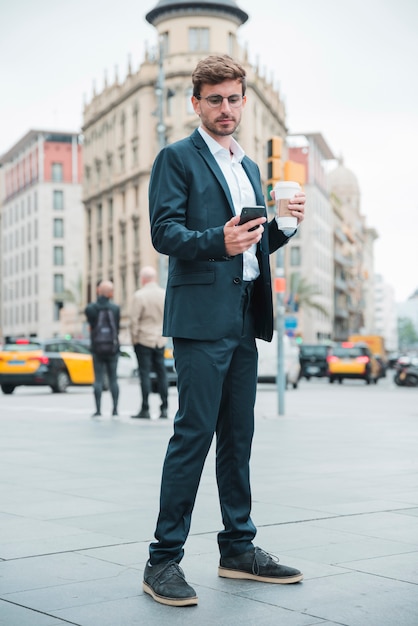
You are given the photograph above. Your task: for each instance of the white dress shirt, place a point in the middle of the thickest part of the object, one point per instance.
(242, 192)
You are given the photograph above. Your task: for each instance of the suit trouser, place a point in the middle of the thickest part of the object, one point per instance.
(217, 383)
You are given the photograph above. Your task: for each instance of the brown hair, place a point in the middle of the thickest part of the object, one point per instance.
(214, 70)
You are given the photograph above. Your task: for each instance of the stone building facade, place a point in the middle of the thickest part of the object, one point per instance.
(127, 123)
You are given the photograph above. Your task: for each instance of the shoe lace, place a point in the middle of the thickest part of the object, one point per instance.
(261, 557)
(171, 569)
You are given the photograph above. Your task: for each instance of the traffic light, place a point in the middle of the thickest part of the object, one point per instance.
(299, 338)
(294, 171)
(274, 165)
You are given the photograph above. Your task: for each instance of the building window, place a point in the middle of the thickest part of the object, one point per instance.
(110, 247)
(295, 256)
(110, 212)
(58, 305)
(164, 44)
(59, 284)
(135, 118)
(122, 160)
(57, 172)
(122, 126)
(58, 227)
(135, 152)
(58, 200)
(99, 215)
(58, 255)
(199, 39)
(231, 44)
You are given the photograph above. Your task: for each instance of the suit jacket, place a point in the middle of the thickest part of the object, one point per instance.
(189, 203)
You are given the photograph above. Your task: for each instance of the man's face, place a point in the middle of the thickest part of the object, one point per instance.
(222, 120)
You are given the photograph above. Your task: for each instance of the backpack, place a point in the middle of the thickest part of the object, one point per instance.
(104, 335)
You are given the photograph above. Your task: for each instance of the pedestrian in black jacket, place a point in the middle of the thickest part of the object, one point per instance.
(105, 355)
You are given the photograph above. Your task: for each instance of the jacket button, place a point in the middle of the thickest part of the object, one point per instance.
(237, 280)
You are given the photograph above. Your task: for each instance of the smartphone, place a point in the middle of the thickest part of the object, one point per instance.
(251, 213)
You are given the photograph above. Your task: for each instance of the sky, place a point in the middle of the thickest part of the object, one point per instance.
(344, 68)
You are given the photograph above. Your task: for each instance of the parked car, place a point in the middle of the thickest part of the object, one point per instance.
(267, 361)
(313, 360)
(352, 360)
(56, 363)
(127, 362)
(406, 374)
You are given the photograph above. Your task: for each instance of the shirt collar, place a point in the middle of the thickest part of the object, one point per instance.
(216, 147)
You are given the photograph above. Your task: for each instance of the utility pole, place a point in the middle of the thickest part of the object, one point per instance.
(162, 140)
(279, 285)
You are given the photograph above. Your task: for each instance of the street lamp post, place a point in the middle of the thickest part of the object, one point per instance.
(161, 134)
(280, 311)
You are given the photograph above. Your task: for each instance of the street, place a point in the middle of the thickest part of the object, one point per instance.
(334, 494)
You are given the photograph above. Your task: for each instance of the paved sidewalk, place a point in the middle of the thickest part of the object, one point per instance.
(335, 489)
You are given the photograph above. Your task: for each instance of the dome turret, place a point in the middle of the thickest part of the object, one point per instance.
(174, 8)
(343, 181)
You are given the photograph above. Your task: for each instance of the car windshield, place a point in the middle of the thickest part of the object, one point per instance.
(21, 347)
(348, 353)
(314, 351)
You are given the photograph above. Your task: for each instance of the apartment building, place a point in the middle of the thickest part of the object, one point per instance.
(42, 235)
(385, 318)
(309, 254)
(354, 271)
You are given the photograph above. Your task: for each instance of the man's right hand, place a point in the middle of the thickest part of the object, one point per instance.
(238, 239)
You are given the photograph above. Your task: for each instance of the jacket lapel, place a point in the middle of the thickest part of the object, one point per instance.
(249, 169)
(207, 156)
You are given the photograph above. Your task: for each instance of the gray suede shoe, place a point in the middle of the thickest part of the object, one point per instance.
(256, 564)
(166, 584)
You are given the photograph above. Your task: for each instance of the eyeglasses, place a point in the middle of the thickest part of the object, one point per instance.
(216, 101)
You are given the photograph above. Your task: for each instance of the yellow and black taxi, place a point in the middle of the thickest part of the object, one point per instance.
(352, 360)
(57, 363)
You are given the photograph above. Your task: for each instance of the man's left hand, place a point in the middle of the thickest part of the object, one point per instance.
(297, 206)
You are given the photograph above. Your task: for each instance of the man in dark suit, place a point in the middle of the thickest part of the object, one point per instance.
(218, 300)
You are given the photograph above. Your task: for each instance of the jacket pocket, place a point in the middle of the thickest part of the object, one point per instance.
(192, 278)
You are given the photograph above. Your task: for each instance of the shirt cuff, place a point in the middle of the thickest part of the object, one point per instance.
(288, 232)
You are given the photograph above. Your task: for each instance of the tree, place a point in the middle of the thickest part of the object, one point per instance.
(302, 295)
(407, 333)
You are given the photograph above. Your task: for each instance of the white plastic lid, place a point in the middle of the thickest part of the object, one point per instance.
(287, 183)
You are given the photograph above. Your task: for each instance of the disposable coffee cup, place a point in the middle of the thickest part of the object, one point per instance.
(284, 191)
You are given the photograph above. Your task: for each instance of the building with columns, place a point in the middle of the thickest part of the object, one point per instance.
(127, 123)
